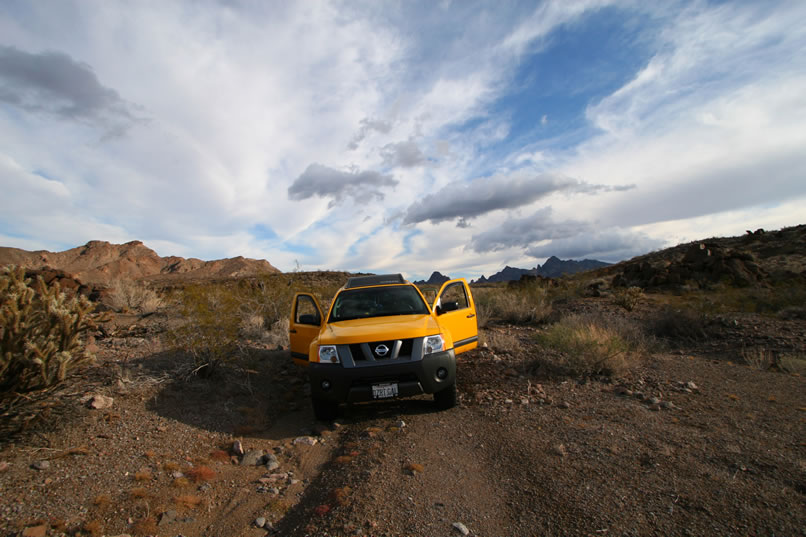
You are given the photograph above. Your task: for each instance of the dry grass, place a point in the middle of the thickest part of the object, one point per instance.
(219, 455)
(501, 341)
(145, 526)
(143, 475)
(764, 359)
(340, 496)
(138, 492)
(200, 473)
(592, 345)
(523, 304)
(129, 295)
(188, 501)
(102, 500)
(682, 324)
(180, 482)
(170, 466)
(94, 528)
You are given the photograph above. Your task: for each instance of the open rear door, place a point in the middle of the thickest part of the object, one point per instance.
(456, 312)
(304, 325)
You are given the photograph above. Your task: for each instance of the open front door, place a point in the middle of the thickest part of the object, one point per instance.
(456, 312)
(304, 325)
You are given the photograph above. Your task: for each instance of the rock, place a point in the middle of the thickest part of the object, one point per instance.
(260, 521)
(524, 400)
(564, 404)
(100, 402)
(237, 448)
(691, 386)
(40, 465)
(305, 440)
(252, 457)
(400, 424)
(177, 474)
(4, 466)
(654, 401)
(668, 405)
(168, 517)
(35, 531)
(560, 450)
(271, 462)
(507, 401)
(461, 528)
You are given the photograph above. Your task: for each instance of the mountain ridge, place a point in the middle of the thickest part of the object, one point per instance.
(101, 262)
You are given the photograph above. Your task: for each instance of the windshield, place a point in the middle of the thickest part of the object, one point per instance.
(377, 302)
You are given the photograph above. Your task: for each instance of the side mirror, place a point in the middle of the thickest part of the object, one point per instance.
(310, 318)
(446, 307)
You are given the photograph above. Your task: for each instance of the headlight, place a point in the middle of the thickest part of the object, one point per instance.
(433, 344)
(328, 354)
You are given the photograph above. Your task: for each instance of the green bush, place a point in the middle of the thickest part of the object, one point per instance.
(629, 297)
(583, 345)
(41, 332)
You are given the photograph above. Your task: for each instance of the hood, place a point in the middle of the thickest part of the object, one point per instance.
(378, 329)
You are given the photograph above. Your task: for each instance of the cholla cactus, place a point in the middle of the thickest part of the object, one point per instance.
(40, 332)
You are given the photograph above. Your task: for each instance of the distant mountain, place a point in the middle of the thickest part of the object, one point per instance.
(436, 278)
(555, 267)
(552, 268)
(100, 262)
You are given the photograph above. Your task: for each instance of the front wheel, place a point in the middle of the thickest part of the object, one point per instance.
(446, 398)
(325, 410)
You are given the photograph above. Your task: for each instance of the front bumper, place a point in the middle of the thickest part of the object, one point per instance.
(354, 384)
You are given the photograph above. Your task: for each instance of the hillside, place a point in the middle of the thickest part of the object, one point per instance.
(100, 262)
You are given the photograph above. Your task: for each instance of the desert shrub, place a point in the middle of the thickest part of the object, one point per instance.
(211, 330)
(520, 304)
(592, 345)
(41, 332)
(679, 324)
(129, 295)
(764, 359)
(628, 297)
(498, 341)
(792, 363)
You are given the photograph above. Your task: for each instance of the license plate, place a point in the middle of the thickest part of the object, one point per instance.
(384, 391)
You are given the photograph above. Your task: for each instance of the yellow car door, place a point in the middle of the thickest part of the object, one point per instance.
(456, 313)
(303, 326)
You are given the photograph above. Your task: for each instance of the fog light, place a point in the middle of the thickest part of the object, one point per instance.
(442, 373)
(325, 384)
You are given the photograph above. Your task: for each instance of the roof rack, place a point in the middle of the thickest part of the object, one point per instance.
(380, 279)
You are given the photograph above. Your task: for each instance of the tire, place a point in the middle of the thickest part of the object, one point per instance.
(446, 398)
(325, 410)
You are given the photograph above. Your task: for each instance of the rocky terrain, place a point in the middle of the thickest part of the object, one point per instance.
(100, 263)
(705, 433)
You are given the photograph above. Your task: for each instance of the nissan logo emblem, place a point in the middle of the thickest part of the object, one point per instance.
(381, 350)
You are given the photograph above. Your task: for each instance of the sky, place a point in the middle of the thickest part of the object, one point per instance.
(400, 136)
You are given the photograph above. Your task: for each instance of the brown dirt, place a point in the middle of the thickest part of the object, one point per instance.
(521, 455)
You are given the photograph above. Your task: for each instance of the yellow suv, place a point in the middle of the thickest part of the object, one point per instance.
(381, 339)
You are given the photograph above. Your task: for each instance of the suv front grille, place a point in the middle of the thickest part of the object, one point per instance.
(382, 350)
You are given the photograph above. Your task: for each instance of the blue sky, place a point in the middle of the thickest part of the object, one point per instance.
(400, 136)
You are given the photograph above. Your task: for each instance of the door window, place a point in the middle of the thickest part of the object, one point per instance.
(453, 297)
(306, 313)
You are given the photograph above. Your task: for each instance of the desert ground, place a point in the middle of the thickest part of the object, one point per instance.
(694, 424)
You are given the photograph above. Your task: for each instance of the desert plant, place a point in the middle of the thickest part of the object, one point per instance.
(129, 295)
(628, 297)
(592, 345)
(520, 304)
(504, 342)
(41, 332)
(211, 330)
(679, 324)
